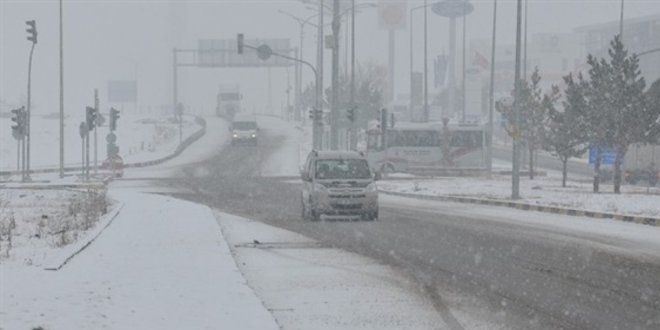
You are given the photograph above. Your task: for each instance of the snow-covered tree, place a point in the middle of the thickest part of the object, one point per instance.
(566, 132)
(618, 91)
(533, 116)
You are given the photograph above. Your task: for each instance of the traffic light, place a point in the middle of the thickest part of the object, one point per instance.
(18, 117)
(239, 39)
(32, 31)
(90, 118)
(114, 115)
(350, 114)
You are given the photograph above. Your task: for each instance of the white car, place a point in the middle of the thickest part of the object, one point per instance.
(338, 184)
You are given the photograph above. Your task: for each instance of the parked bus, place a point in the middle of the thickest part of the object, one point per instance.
(427, 148)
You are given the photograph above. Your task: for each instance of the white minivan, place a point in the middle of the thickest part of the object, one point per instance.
(338, 184)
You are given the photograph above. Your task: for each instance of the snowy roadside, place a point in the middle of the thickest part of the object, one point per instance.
(542, 191)
(139, 137)
(161, 264)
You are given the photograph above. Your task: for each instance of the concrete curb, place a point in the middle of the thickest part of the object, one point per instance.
(71, 251)
(532, 207)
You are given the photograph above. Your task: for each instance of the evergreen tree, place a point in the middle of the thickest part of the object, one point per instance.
(624, 100)
(533, 116)
(566, 134)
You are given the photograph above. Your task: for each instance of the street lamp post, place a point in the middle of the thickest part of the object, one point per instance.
(412, 104)
(316, 131)
(302, 22)
(61, 95)
(491, 96)
(426, 65)
(515, 177)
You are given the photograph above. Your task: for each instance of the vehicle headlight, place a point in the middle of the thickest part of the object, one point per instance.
(372, 188)
(320, 188)
(235, 135)
(254, 135)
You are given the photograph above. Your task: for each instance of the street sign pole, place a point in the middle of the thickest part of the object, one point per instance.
(96, 119)
(87, 154)
(83, 134)
(83, 157)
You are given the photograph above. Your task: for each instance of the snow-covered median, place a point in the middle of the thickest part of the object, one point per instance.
(546, 191)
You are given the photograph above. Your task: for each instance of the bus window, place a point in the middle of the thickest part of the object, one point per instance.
(413, 138)
(374, 142)
(466, 139)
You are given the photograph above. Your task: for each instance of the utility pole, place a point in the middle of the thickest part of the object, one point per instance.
(317, 122)
(334, 118)
(355, 116)
(525, 49)
(175, 85)
(96, 124)
(463, 68)
(515, 176)
(427, 114)
(621, 23)
(61, 95)
(491, 96)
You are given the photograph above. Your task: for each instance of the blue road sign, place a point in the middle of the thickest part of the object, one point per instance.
(607, 155)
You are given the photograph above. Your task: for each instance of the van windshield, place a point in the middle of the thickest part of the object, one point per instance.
(342, 169)
(244, 125)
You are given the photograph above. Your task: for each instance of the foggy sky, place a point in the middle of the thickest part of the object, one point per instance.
(111, 40)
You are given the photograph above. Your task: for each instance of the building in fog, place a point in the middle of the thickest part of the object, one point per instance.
(640, 34)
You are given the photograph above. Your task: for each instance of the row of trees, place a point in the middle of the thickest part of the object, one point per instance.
(611, 108)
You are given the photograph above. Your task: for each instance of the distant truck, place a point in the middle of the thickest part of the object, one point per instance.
(229, 101)
(641, 164)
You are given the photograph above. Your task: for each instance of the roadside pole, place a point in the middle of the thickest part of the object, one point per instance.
(96, 118)
(83, 133)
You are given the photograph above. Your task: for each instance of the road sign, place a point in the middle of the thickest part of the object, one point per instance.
(607, 155)
(452, 8)
(392, 14)
(264, 52)
(111, 138)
